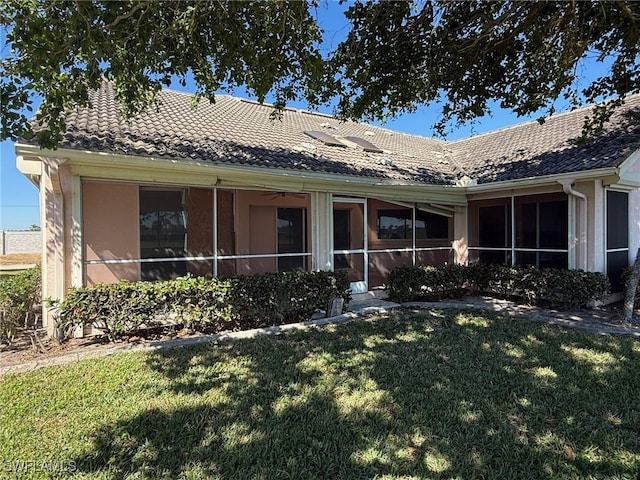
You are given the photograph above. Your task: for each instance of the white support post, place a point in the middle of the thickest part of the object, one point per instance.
(215, 232)
(572, 237)
(413, 235)
(365, 224)
(513, 230)
(315, 232)
(77, 276)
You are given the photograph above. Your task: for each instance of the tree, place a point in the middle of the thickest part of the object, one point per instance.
(524, 55)
(60, 50)
(396, 56)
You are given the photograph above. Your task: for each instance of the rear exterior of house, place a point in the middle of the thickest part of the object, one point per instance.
(222, 190)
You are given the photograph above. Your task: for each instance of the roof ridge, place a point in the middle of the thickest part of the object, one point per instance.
(314, 113)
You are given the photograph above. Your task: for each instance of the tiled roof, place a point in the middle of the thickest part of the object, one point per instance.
(532, 150)
(236, 131)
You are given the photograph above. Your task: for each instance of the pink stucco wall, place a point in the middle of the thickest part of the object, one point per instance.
(110, 213)
(256, 226)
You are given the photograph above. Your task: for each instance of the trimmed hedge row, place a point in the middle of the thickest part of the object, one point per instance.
(20, 299)
(239, 303)
(545, 287)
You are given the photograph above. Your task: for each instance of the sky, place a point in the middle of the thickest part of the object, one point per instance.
(19, 197)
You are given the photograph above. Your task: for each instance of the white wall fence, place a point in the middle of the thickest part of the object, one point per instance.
(20, 241)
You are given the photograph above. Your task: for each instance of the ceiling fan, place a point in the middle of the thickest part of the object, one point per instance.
(274, 195)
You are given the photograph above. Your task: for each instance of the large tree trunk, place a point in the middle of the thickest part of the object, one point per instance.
(630, 290)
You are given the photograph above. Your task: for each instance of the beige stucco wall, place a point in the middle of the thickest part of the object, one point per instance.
(111, 230)
(55, 200)
(591, 245)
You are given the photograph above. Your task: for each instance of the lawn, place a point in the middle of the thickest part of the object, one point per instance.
(438, 394)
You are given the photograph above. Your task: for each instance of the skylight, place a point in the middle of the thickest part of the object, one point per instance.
(365, 144)
(325, 138)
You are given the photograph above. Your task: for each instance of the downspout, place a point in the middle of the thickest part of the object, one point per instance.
(567, 187)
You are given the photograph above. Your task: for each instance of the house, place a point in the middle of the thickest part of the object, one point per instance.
(224, 189)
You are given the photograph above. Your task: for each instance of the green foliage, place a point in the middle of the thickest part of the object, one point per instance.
(522, 55)
(201, 303)
(20, 298)
(60, 50)
(408, 283)
(396, 56)
(547, 287)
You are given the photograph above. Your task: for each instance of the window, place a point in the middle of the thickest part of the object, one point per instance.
(162, 233)
(397, 224)
(540, 233)
(291, 238)
(617, 248)
(542, 226)
(494, 233)
(341, 236)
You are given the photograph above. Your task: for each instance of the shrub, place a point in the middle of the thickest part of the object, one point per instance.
(20, 299)
(201, 303)
(547, 287)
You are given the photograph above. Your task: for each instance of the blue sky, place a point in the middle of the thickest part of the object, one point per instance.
(19, 197)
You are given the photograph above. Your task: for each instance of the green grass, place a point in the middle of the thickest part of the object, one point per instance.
(409, 395)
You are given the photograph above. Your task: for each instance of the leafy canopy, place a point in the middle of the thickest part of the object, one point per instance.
(396, 55)
(524, 55)
(62, 49)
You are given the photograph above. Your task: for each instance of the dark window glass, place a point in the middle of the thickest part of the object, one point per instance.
(492, 226)
(162, 233)
(291, 230)
(394, 224)
(617, 220)
(542, 225)
(542, 259)
(397, 225)
(617, 236)
(527, 258)
(431, 226)
(493, 232)
(616, 263)
(554, 224)
(341, 237)
(527, 236)
(553, 260)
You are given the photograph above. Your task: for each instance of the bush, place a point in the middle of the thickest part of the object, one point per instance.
(201, 303)
(20, 299)
(547, 287)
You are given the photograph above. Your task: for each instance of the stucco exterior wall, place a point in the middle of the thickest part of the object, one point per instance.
(255, 217)
(20, 241)
(590, 239)
(111, 230)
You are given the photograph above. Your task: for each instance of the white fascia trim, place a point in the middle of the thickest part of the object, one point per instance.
(192, 172)
(28, 166)
(600, 173)
(630, 171)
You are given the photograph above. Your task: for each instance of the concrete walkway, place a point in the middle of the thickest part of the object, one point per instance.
(593, 321)
(13, 268)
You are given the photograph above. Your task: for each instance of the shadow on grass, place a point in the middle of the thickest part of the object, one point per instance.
(436, 396)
